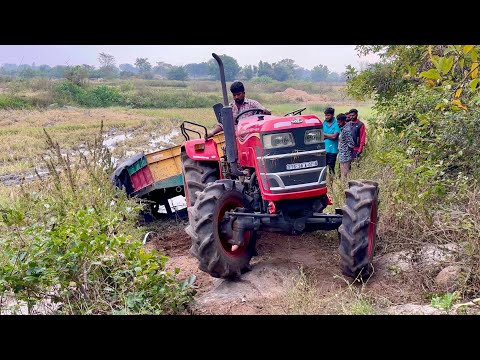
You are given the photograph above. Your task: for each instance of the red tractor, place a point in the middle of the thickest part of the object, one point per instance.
(271, 177)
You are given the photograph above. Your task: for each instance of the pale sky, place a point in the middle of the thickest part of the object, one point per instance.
(336, 57)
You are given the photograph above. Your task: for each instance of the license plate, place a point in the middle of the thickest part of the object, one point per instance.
(303, 165)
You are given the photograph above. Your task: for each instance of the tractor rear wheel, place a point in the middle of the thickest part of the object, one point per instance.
(197, 174)
(210, 246)
(358, 231)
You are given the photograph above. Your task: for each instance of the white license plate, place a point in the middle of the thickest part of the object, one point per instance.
(303, 165)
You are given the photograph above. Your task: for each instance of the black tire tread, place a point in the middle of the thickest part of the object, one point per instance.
(205, 247)
(197, 175)
(354, 259)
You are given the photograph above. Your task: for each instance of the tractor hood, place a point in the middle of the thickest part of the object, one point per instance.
(269, 123)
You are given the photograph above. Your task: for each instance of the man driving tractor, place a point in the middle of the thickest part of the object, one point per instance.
(240, 104)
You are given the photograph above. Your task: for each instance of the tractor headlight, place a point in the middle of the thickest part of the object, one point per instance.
(314, 136)
(275, 141)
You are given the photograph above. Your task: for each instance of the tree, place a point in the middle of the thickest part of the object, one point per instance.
(302, 74)
(106, 60)
(177, 73)
(162, 68)
(89, 69)
(423, 92)
(10, 68)
(27, 72)
(76, 74)
(44, 70)
(107, 65)
(231, 68)
(265, 69)
(248, 72)
(143, 66)
(280, 73)
(320, 73)
(58, 71)
(128, 68)
(334, 77)
(284, 69)
(126, 74)
(197, 70)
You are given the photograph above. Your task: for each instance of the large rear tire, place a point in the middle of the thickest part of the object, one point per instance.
(197, 174)
(358, 232)
(209, 246)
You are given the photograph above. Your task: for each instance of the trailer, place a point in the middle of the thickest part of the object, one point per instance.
(157, 176)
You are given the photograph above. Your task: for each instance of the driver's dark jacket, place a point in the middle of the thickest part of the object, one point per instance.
(247, 104)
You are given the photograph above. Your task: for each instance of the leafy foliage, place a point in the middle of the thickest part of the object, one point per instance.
(177, 73)
(427, 100)
(444, 302)
(231, 68)
(74, 241)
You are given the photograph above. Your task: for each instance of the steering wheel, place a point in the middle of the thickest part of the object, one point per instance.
(296, 112)
(255, 111)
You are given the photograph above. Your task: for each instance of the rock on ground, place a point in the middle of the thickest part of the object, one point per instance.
(413, 309)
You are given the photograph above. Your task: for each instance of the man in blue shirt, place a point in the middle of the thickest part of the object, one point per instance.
(331, 131)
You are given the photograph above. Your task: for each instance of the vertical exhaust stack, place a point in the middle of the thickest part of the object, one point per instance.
(228, 124)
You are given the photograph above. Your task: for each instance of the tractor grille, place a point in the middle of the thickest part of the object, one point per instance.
(311, 175)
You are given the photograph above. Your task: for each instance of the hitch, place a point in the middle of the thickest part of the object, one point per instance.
(236, 223)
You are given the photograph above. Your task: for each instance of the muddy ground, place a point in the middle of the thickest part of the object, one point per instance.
(298, 275)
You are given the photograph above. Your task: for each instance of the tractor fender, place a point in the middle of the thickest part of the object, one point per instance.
(207, 152)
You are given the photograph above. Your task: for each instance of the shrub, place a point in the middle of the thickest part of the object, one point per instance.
(74, 239)
(13, 102)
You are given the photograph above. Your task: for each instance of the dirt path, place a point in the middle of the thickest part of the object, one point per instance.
(291, 275)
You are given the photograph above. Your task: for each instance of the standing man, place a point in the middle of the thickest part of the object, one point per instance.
(331, 131)
(358, 133)
(240, 103)
(345, 145)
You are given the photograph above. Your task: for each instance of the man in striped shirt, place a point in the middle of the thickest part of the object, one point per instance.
(240, 104)
(345, 145)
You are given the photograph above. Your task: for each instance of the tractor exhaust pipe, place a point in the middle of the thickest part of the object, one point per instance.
(228, 125)
(222, 78)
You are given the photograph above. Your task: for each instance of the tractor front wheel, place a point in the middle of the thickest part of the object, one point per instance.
(358, 231)
(209, 245)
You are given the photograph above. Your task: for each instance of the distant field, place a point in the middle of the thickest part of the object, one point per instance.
(22, 140)
(160, 94)
(127, 129)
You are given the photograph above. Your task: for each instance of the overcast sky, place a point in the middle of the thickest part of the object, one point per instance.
(336, 57)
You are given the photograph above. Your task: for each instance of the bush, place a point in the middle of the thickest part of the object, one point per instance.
(69, 92)
(102, 96)
(262, 80)
(99, 96)
(177, 73)
(426, 145)
(41, 84)
(153, 98)
(13, 102)
(74, 240)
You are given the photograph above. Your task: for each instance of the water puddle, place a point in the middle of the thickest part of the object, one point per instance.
(164, 139)
(111, 142)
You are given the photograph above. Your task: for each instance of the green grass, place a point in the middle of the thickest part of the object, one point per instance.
(445, 301)
(13, 102)
(361, 307)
